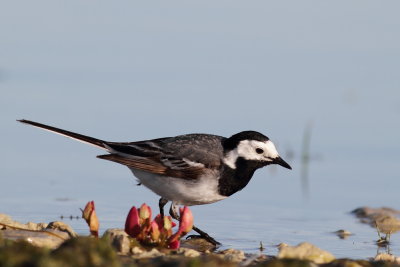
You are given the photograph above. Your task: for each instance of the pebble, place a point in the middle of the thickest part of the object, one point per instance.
(139, 253)
(119, 240)
(232, 255)
(50, 239)
(61, 226)
(305, 251)
(387, 257)
(50, 235)
(7, 223)
(187, 252)
(343, 234)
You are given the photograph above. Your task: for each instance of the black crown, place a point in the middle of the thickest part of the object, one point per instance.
(233, 141)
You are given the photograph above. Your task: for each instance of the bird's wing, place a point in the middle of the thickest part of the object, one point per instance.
(201, 148)
(155, 166)
(186, 156)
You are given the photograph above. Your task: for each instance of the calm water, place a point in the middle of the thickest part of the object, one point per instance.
(271, 209)
(141, 70)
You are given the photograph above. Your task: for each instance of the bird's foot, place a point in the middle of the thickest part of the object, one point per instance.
(173, 211)
(204, 235)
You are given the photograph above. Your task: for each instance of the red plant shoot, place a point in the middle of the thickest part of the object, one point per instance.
(159, 230)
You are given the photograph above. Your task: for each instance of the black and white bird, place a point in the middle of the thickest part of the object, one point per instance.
(190, 169)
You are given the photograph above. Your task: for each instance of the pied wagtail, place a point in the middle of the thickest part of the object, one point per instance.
(191, 169)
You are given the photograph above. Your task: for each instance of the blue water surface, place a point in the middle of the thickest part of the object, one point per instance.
(140, 70)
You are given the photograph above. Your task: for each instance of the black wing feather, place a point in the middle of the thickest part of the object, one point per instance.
(154, 166)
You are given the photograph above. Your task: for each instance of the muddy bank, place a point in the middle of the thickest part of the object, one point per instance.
(56, 244)
(87, 251)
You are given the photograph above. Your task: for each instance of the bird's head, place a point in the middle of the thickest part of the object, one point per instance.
(251, 146)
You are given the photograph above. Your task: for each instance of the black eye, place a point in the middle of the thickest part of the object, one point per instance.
(259, 151)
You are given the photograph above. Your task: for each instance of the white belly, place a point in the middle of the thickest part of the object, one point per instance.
(204, 190)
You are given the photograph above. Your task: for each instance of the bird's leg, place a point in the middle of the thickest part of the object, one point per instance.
(173, 211)
(161, 203)
(174, 214)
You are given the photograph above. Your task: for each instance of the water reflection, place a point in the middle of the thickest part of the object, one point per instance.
(305, 160)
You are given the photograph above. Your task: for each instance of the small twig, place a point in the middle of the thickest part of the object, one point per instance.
(261, 248)
(35, 231)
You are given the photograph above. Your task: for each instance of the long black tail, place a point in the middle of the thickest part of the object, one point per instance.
(76, 136)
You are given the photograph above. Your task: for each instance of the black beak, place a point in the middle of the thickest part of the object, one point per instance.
(278, 160)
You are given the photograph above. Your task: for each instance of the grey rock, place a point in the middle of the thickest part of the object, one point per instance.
(343, 234)
(38, 234)
(7, 223)
(138, 253)
(188, 252)
(50, 239)
(305, 251)
(63, 227)
(387, 257)
(119, 240)
(232, 255)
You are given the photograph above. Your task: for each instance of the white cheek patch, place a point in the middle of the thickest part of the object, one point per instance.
(247, 150)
